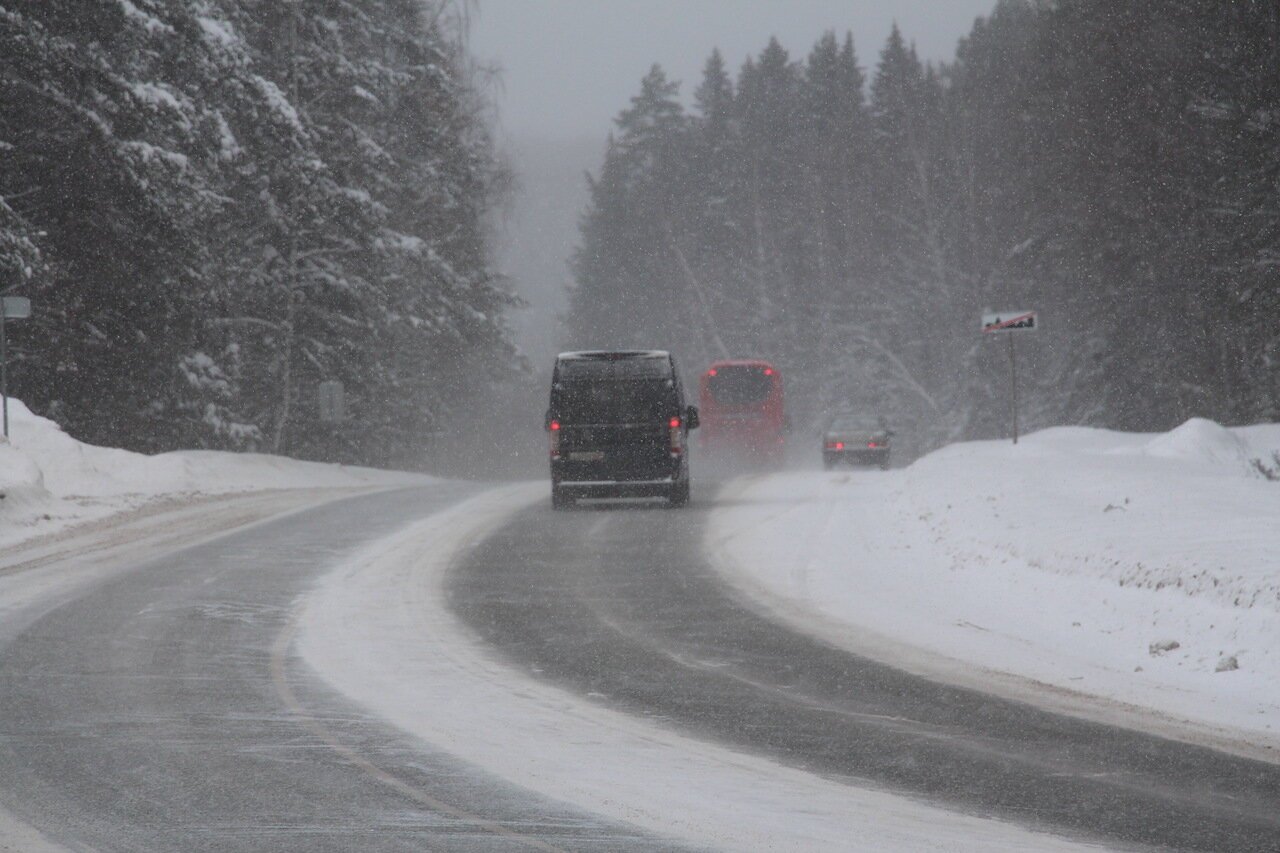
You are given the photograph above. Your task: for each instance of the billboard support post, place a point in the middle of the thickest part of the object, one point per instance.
(1013, 389)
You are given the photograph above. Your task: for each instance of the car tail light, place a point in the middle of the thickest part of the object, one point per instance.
(872, 444)
(768, 371)
(711, 372)
(555, 439)
(835, 445)
(676, 437)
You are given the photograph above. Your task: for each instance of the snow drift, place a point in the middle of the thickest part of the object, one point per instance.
(1140, 569)
(49, 480)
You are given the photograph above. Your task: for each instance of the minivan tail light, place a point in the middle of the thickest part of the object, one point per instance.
(555, 439)
(676, 437)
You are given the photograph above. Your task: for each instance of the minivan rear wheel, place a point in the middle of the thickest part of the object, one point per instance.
(679, 493)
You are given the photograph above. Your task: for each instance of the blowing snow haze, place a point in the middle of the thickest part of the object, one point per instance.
(567, 67)
(844, 189)
(812, 425)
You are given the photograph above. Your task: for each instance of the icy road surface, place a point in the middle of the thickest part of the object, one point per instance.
(451, 668)
(153, 707)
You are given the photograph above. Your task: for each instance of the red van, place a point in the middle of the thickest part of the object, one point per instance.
(743, 419)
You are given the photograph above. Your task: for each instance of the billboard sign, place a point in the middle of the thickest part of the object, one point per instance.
(1010, 321)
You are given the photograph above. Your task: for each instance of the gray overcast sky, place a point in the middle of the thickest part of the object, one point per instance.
(569, 66)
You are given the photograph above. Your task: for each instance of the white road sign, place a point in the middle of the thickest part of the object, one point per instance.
(15, 307)
(1010, 321)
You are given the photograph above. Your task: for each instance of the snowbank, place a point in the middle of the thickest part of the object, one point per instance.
(1141, 569)
(1204, 442)
(49, 480)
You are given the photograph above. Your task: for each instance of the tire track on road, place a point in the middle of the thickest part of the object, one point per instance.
(620, 604)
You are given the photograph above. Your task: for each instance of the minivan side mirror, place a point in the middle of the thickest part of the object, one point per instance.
(691, 417)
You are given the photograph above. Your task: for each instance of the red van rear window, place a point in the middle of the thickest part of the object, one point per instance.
(739, 385)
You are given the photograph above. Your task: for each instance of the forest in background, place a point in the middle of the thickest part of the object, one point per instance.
(215, 205)
(1114, 164)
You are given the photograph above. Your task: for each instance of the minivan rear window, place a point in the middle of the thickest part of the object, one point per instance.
(611, 402)
(603, 369)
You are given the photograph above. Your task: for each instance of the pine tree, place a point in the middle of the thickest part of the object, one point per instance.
(1111, 183)
(769, 101)
(915, 287)
(605, 302)
(263, 195)
(632, 262)
(110, 147)
(719, 198)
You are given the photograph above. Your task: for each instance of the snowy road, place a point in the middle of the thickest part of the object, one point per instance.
(620, 604)
(154, 710)
(452, 668)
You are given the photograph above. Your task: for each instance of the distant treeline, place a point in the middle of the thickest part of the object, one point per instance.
(1114, 164)
(214, 205)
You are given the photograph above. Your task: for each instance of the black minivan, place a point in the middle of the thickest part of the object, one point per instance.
(619, 427)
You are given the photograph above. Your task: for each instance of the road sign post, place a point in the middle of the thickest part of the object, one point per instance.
(1005, 323)
(11, 308)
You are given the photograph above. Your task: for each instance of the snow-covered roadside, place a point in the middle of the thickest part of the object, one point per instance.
(1142, 570)
(379, 631)
(49, 481)
(72, 514)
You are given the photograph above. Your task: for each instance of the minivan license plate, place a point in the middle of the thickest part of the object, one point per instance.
(586, 456)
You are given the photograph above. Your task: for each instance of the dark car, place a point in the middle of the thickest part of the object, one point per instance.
(856, 440)
(619, 427)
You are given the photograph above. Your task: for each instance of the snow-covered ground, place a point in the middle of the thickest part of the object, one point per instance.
(49, 481)
(1080, 565)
